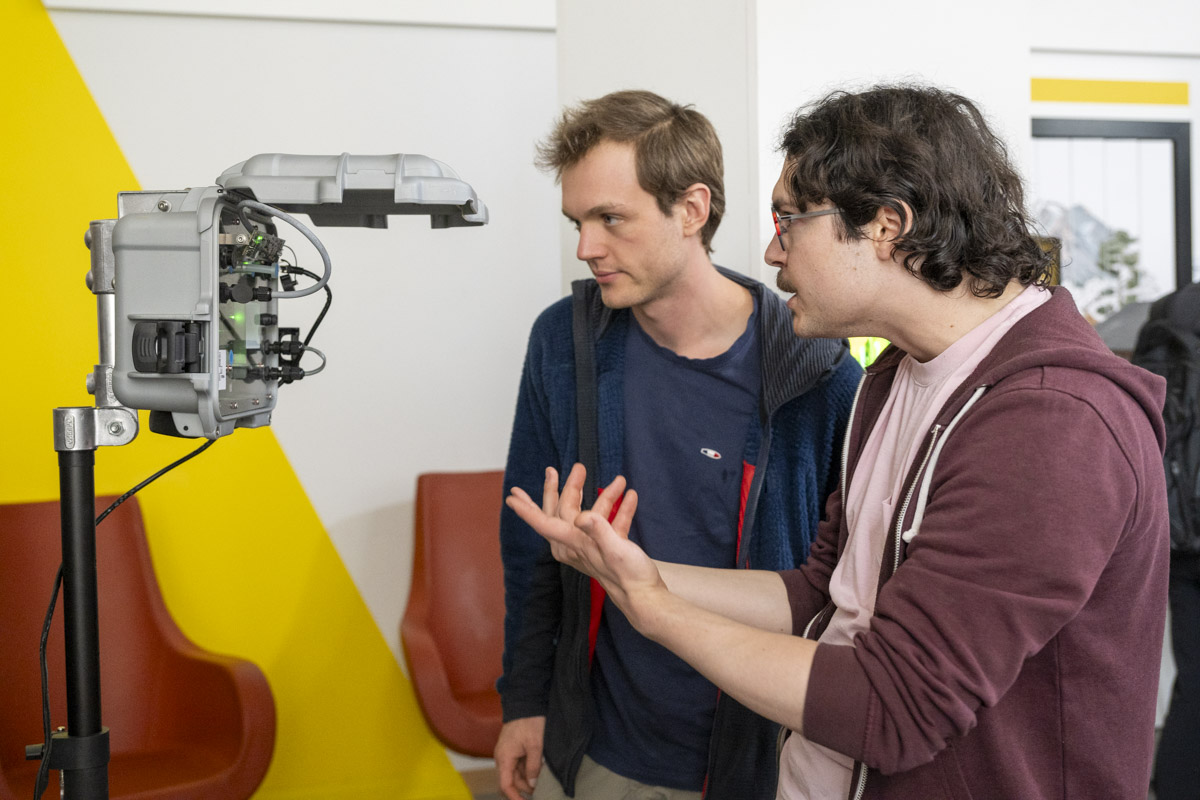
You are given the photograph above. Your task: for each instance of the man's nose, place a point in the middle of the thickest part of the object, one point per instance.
(590, 245)
(774, 255)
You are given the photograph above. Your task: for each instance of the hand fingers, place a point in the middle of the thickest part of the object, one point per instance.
(594, 525)
(509, 773)
(519, 501)
(624, 518)
(550, 492)
(572, 493)
(533, 768)
(522, 784)
(550, 527)
(533, 762)
(526, 509)
(604, 503)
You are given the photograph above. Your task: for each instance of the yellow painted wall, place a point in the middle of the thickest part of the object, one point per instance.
(245, 565)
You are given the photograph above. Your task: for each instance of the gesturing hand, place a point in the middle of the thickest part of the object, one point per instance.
(519, 756)
(586, 540)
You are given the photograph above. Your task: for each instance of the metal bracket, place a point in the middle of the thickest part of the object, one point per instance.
(84, 428)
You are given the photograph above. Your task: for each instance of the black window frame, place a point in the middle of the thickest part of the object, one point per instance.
(1179, 133)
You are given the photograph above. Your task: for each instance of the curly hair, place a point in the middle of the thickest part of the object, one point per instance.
(675, 146)
(928, 151)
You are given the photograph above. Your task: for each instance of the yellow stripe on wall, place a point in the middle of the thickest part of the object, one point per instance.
(253, 575)
(1063, 90)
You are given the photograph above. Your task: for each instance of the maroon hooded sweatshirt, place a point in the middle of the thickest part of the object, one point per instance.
(1014, 652)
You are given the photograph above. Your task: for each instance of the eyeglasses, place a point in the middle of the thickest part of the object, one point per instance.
(780, 230)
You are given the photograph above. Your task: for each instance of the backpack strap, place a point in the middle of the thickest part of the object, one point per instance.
(585, 388)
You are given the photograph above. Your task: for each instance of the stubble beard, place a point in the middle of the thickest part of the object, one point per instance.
(617, 297)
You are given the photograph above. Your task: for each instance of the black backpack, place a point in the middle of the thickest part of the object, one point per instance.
(1169, 345)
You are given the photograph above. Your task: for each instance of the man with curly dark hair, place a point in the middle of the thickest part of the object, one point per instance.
(983, 610)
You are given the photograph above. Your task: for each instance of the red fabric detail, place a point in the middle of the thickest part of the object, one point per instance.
(747, 479)
(598, 594)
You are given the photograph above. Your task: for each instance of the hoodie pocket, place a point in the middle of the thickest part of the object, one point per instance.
(940, 779)
(952, 776)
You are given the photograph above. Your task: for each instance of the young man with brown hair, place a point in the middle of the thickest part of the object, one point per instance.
(982, 612)
(703, 398)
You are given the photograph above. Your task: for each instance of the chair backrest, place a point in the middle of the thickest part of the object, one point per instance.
(453, 627)
(30, 552)
(150, 699)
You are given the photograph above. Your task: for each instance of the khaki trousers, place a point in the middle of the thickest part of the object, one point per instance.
(594, 782)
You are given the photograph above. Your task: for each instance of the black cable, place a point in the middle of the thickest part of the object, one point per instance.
(153, 478)
(43, 773)
(328, 301)
(314, 276)
(247, 221)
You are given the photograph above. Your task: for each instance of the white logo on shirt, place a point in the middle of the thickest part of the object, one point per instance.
(713, 454)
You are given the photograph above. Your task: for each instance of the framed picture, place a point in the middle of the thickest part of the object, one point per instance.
(1115, 198)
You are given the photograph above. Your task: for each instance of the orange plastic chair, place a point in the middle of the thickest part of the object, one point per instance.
(453, 626)
(184, 723)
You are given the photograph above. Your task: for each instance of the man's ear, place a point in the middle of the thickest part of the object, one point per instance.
(888, 226)
(694, 205)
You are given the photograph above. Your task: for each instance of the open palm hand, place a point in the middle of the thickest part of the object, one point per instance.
(587, 540)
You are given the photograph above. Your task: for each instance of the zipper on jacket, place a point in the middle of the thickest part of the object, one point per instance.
(813, 621)
(859, 789)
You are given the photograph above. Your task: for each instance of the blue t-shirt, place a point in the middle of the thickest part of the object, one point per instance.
(686, 426)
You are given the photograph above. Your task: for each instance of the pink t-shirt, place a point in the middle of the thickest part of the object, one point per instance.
(808, 770)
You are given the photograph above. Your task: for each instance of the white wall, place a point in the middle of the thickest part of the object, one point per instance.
(1152, 27)
(427, 330)
(699, 53)
(806, 49)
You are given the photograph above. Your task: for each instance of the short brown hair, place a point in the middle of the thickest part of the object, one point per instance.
(675, 146)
